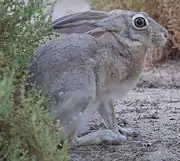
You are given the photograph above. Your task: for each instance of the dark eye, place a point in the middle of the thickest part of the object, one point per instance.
(140, 22)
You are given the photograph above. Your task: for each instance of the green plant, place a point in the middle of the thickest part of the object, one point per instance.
(26, 129)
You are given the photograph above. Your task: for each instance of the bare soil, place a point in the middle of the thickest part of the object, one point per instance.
(153, 110)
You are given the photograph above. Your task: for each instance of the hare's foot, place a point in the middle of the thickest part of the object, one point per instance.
(128, 132)
(99, 137)
(107, 112)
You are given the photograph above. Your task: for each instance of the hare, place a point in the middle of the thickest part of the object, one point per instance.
(86, 71)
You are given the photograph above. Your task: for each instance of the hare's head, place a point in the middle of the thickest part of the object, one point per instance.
(141, 27)
(138, 26)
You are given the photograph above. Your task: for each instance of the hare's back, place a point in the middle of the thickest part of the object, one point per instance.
(63, 61)
(66, 48)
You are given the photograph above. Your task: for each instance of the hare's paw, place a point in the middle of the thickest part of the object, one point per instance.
(109, 137)
(100, 137)
(127, 132)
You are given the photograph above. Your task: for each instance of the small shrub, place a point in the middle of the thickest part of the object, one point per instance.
(26, 129)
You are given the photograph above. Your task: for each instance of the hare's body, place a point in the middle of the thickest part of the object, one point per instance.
(85, 72)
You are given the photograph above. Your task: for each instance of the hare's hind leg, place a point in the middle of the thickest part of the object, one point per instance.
(87, 109)
(98, 137)
(106, 110)
(79, 121)
(75, 106)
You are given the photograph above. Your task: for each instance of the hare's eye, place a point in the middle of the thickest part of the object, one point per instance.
(140, 22)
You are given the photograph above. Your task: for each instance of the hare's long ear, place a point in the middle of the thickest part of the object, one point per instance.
(112, 23)
(78, 22)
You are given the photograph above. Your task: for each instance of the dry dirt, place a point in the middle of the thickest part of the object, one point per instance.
(153, 110)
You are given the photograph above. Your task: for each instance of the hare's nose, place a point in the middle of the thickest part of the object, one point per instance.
(166, 33)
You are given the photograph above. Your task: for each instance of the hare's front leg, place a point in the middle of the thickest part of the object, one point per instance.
(106, 110)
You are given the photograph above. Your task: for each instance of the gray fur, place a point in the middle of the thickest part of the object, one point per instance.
(85, 72)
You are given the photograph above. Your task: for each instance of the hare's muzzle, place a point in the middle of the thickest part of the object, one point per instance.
(162, 37)
(165, 34)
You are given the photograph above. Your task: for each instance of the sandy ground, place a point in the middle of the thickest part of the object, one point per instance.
(153, 111)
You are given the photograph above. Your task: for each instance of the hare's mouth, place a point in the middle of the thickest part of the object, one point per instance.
(160, 41)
